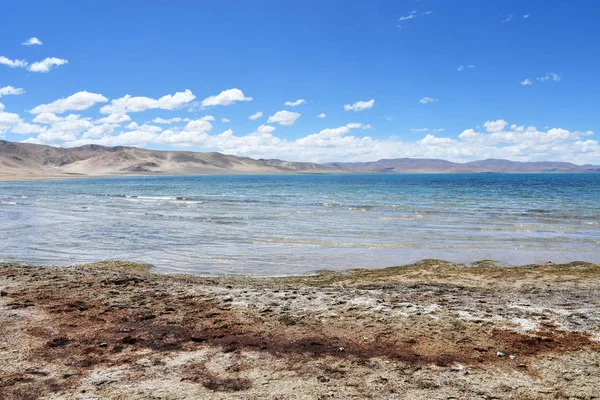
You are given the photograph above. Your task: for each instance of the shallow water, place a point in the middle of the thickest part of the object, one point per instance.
(297, 224)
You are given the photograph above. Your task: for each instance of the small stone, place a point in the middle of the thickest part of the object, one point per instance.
(500, 354)
(512, 357)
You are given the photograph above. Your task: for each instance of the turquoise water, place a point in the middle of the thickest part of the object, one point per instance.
(297, 224)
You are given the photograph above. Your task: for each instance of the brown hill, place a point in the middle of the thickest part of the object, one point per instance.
(24, 160)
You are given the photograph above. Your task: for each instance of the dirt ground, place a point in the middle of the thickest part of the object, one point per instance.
(431, 330)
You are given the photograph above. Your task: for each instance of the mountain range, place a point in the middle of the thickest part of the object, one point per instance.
(29, 161)
(421, 165)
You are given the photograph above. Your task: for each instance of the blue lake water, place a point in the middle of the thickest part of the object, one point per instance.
(297, 224)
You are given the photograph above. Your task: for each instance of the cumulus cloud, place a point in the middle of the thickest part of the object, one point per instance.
(495, 126)
(12, 63)
(32, 42)
(322, 115)
(78, 101)
(359, 105)
(47, 118)
(526, 82)
(550, 76)
(256, 116)
(343, 143)
(295, 103)
(46, 64)
(99, 131)
(225, 98)
(170, 120)
(265, 129)
(9, 90)
(130, 103)
(507, 18)
(114, 119)
(225, 120)
(284, 117)
(426, 100)
(11, 122)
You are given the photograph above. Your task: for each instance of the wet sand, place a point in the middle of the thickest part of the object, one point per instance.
(431, 330)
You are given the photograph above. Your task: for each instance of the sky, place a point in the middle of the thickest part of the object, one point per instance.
(319, 81)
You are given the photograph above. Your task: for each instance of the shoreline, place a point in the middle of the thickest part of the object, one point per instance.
(432, 329)
(44, 178)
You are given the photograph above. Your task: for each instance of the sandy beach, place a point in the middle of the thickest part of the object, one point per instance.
(431, 330)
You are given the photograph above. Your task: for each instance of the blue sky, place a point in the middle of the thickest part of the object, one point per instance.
(405, 55)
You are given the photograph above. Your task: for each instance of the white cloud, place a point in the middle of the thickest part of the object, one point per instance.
(11, 122)
(507, 18)
(225, 98)
(295, 103)
(410, 15)
(462, 67)
(225, 120)
(526, 16)
(284, 117)
(13, 63)
(194, 133)
(322, 115)
(46, 64)
(343, 143)
(114, 119)
(47, 118)
(9, 90)
(32, 42)
(99, 131)
(256, 116)
(8, 120)
(25, 128)
(550, 76)
(78, 101)
(67, 129)
(129, 103)
(426, 100)
(418, 130)
(265, 129)
(495, 126)
(526, 82)
(170, 120)
(359, 105)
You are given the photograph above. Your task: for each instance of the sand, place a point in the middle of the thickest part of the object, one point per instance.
(431, 330)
